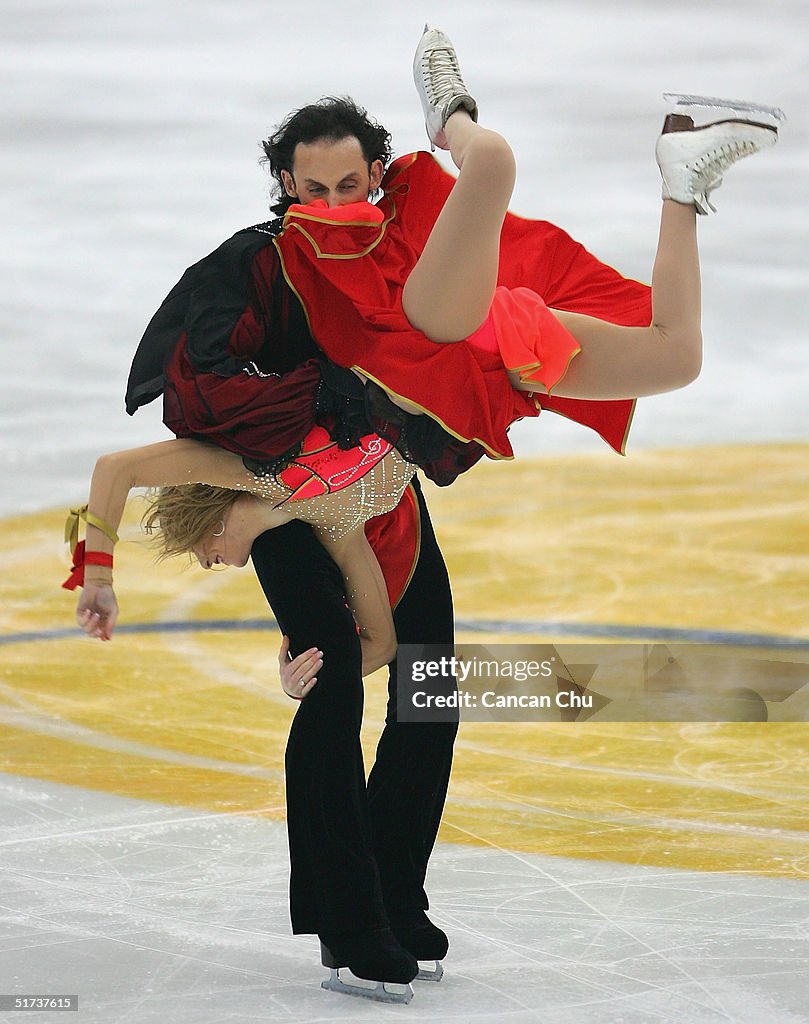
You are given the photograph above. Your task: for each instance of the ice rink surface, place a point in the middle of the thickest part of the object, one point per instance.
(130, 151)
(151, 913)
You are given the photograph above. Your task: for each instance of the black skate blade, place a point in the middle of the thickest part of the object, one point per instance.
(428, 974)
(378, 991)
(680, 99)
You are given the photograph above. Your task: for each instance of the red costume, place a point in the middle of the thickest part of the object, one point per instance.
(348, 267)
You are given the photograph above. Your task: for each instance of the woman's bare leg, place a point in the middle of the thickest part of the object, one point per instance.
(450, 289)
(629, 362)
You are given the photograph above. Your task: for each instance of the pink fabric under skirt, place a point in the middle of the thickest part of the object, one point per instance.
(529, 339)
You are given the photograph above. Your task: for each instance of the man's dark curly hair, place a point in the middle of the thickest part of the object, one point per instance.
(332, 118)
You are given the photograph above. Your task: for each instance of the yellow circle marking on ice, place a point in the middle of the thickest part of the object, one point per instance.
(701, 538)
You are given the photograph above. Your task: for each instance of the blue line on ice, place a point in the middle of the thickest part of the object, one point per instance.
(652, 633)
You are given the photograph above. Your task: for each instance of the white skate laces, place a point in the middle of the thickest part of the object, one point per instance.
(439, 83)
(693, 160)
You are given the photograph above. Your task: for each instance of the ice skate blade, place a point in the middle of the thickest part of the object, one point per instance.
(737, 106)
(379, 991)
(426, 974)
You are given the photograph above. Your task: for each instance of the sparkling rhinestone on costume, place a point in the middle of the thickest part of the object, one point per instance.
(334, 515)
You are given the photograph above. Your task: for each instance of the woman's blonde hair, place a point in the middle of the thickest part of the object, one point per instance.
(182, 516)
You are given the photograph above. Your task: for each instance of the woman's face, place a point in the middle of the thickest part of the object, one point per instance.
(335, 172)
(225, 545)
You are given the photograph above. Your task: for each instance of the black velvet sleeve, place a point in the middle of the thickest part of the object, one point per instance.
(204, 307)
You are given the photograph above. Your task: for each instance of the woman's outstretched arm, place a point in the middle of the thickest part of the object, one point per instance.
(180, 461)
(367, 596)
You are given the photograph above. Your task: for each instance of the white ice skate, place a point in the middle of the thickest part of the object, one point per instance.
(351, 985)
(439, 83)
(693, 158)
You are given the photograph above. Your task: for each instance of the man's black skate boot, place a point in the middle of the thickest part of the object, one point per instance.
(419, 936)
(373, 956)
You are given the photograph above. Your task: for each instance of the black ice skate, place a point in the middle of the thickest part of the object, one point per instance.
(382, 970)
(428, 943)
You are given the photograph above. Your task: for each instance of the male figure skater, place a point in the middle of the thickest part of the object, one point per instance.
(232, 353)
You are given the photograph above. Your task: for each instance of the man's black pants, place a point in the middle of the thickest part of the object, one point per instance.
(358, 853)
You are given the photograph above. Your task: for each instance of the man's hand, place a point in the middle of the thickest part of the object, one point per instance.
(298, 676)
(97, 610)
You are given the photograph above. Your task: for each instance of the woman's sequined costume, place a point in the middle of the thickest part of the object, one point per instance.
(337, 491)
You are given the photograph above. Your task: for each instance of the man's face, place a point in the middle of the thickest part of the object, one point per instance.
(336, 172)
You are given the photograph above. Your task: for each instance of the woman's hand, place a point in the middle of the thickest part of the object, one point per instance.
(97, 610)
(299, 675)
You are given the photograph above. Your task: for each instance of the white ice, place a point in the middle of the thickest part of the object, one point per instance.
(152, 913)
(131, 143)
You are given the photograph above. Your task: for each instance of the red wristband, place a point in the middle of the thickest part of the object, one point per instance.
(82, 558)
(98, 558)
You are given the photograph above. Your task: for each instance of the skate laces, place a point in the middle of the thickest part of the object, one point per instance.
(710, 167)
(441, 75)
(717, 160)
